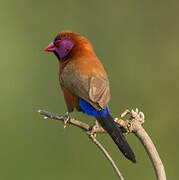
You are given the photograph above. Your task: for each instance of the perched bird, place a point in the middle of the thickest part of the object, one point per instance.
(85, 84)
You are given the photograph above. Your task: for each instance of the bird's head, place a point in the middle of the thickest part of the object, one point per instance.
(68, 42)
(61, 46)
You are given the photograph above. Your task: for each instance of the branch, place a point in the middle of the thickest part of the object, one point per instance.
(90, 131)
(107, 156)
(133, 124)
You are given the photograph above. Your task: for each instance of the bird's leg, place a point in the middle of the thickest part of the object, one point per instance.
(92, 128)
(67, 118)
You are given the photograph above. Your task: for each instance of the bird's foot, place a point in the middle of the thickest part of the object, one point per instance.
(67, 118)
(93, 127)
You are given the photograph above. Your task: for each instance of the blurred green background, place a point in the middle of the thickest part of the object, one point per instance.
(138, 43)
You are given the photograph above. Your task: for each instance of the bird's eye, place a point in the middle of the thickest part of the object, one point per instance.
(57, 43)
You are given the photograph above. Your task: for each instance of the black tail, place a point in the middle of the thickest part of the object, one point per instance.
(115, 132)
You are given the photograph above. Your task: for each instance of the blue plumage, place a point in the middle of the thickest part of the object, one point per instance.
(107, 122)
(90, 110)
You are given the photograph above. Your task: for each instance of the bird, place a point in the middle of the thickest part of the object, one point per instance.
(85, 84)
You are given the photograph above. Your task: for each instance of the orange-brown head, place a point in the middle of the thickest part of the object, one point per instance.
(70, 44)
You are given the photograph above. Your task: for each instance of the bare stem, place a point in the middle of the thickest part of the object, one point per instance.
(152, 152)
(133, 124)
(107, 156)
(90, 132)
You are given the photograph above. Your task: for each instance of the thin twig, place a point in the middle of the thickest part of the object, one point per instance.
(133, 124)
(90, 132)
(152, 152)
(107, 155)
(72, 121)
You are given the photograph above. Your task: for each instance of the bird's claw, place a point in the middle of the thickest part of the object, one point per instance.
(92, 128)
(67, 118)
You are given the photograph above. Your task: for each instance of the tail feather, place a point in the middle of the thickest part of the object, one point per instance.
(107, 122)
(115, 132)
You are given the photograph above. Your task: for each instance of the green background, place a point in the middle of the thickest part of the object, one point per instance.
(138, 44)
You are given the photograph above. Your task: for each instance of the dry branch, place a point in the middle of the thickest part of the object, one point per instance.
(90, 131)
(133, 124)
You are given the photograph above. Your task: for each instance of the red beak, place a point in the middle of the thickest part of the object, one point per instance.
(50, 47)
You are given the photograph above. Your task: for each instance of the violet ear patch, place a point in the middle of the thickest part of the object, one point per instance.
(65, 47)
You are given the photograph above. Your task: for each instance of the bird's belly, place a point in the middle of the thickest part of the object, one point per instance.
(72, 101)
